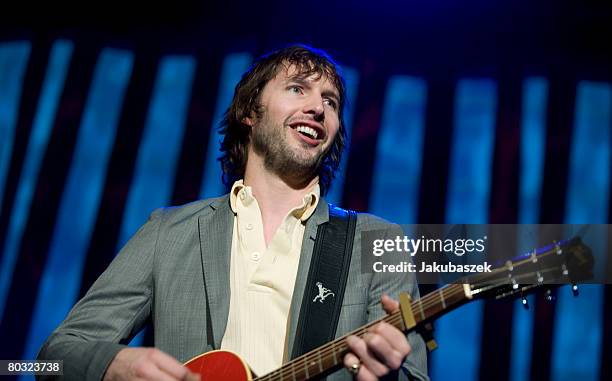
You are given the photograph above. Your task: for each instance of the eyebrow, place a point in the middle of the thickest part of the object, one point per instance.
(304, 82)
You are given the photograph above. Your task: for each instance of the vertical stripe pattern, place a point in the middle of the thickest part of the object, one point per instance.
(468, 198)
(397, 172)
(587, 202)
(13, 61)
(79, 204)
(533, 140)
(110, 127)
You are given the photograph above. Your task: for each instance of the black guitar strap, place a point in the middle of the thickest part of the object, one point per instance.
(326, 281)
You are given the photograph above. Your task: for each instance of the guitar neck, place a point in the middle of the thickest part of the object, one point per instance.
(329, 357)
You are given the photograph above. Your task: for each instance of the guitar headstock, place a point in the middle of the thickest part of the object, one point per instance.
(564, 262)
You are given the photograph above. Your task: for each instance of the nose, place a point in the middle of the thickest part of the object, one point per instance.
(314, 106)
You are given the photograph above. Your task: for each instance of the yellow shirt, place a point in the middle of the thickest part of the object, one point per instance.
(262, 279)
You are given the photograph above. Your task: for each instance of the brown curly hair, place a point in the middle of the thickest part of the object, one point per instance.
(235, 132)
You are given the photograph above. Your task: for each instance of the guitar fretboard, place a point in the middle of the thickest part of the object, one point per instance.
(330, 356)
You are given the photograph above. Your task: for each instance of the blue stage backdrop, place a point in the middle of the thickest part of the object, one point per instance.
(99, 127)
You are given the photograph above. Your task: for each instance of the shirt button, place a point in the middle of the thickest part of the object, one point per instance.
(249, 226)
(256, 256)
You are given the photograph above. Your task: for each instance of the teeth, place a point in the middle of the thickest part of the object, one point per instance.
(307, 130)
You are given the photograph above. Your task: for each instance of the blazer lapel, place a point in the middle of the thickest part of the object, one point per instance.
(215, 247)
(321, 215)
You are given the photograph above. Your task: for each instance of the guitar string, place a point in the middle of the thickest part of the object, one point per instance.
(326, 350)
(337, 347)
(394, 318)
(297, 365)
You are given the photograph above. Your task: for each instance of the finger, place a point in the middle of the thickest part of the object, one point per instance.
(359, 347)
(170, 365)
(395, 337)
(191, 377)
(350, 359)
(383, 351)
(389, 304)
(364, 374)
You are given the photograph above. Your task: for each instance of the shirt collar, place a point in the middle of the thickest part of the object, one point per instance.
(244, 194)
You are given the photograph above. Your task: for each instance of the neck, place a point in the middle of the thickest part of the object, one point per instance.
(329, 357)
(275, 195)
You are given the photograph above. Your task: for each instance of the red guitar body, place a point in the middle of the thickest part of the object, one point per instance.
(220, 366)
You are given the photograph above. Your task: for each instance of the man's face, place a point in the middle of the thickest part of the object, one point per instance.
(298, 123)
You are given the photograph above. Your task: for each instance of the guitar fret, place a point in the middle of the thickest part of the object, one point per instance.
(421, 309)
(313, 363)
(442, 298)
(320, 364)
(334, 353)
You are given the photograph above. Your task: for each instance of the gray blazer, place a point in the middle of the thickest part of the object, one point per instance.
(175, 270)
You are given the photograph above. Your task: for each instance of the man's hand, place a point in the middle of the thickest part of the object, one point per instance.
(147, 364)
(383, 349)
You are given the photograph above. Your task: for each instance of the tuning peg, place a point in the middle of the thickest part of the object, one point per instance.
(549, 296)
(525, 303)
(575, 289)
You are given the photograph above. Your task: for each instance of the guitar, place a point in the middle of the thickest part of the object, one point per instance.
(565, 262)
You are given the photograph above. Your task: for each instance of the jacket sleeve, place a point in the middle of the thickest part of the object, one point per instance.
(111, 313)
(415, 365)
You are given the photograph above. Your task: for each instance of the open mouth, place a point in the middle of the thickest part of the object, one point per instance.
(309, 131)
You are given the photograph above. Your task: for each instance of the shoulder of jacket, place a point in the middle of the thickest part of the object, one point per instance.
(191, 210)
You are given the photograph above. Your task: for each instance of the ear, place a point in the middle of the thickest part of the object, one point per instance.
(249, 121)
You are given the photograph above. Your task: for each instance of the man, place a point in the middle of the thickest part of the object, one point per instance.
(230, 272)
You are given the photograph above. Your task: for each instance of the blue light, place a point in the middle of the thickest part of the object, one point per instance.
(533, 147)
(472, 152)
(155, 169)
(459, 333)
(522, 331)
(397, 171)
(587, 203)
(60, 281)
(37, 145)
(233, 67)
(13, 60)
(153, 179)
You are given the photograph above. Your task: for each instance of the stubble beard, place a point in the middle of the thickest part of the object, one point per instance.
(297, 166)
